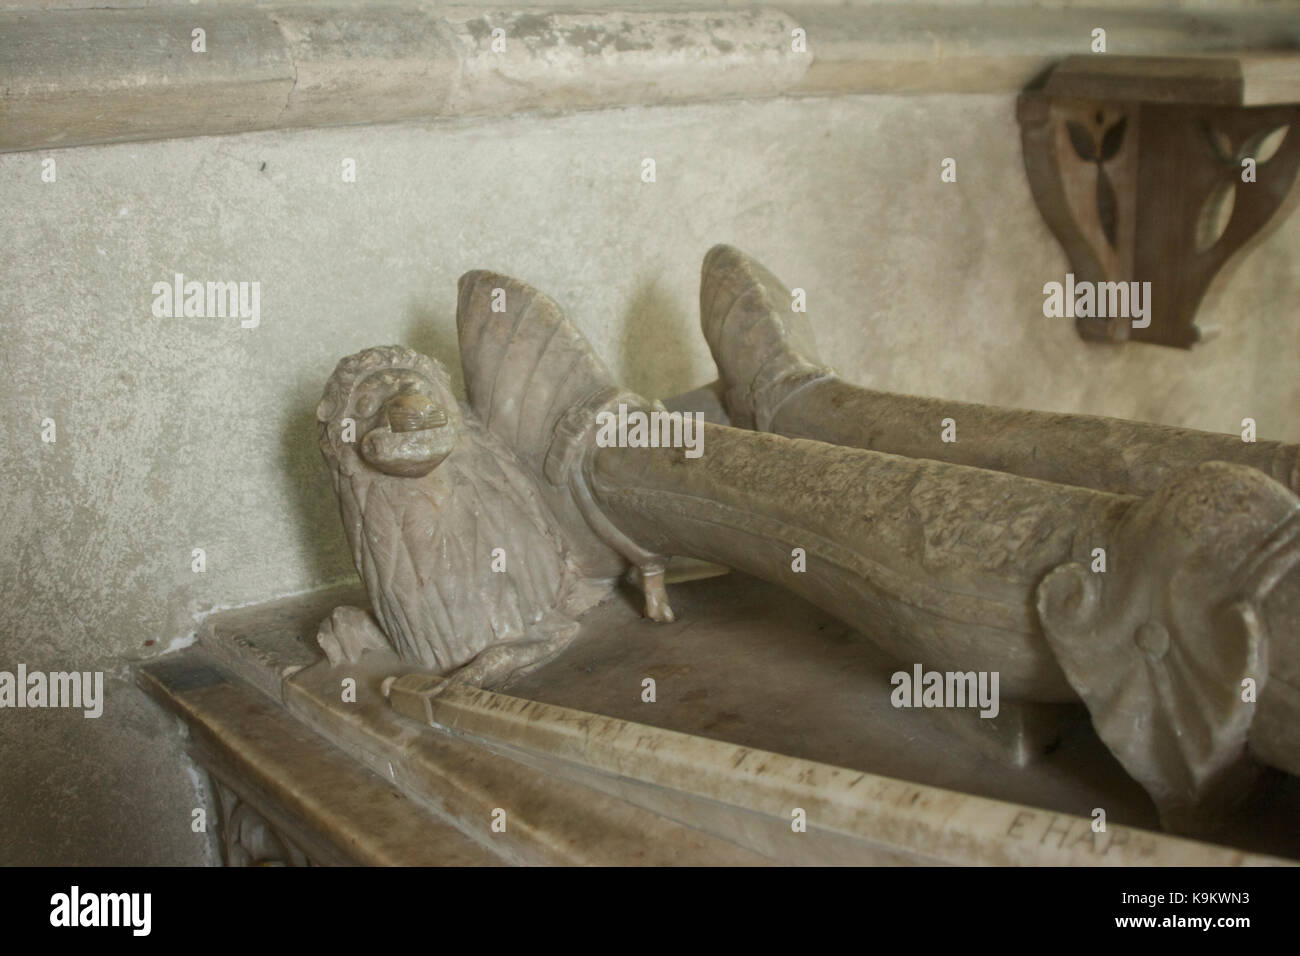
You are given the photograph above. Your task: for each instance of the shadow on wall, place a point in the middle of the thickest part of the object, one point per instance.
(432, 333)
(320, 538)
(656, 354)
(656, 346)
(113, 791)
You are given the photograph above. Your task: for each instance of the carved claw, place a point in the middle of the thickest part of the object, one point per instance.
(656, 597)
(348, 633)
(502, 661)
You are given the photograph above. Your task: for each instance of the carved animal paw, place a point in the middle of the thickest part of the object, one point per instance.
(489, 666)
(656, 598)
(348, 633)
(497, 664)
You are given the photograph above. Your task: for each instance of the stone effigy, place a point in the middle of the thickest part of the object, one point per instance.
(967, 569)
(775, 382)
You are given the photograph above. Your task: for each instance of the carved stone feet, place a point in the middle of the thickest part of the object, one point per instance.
(536, 383)
(764, 349)
(479, 532)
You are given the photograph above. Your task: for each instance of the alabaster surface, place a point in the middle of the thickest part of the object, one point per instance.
(1158, 588)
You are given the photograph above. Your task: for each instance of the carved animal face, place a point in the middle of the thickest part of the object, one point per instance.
(403, 422)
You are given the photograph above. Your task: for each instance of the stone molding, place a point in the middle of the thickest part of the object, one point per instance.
(90, 76)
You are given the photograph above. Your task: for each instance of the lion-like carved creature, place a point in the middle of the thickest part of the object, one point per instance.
(458, 553)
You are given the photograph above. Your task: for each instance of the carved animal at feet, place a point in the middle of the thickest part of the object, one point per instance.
(460, 556)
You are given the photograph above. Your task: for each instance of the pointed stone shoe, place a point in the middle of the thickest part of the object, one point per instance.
(535, 383)
(763, 348)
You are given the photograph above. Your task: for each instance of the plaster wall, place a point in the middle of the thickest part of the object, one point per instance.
(183, 433)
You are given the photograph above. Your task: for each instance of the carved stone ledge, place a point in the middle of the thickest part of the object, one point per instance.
(588, 772)
(286, 797)
(1138, 166)
(317, 64)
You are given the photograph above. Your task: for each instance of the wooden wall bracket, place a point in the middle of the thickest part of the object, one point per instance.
(1138, 166)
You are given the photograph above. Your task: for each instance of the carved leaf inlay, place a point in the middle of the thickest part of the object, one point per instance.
(1263, 146)
(1216, 212)
(1081, 140)
(1113, 139)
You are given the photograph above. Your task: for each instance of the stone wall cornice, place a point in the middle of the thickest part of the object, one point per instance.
(86, 76)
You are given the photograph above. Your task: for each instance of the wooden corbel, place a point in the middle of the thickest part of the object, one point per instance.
(1161, 170)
